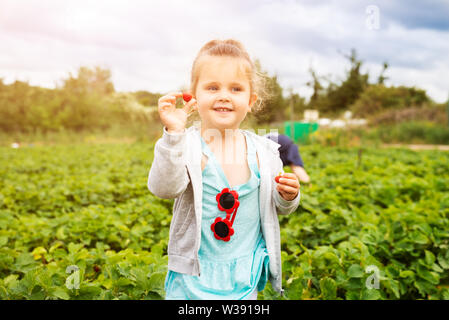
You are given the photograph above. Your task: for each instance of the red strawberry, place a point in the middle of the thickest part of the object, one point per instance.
(187, 97)
(278, 176)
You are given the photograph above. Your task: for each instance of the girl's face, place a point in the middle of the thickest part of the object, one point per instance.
(222, 84)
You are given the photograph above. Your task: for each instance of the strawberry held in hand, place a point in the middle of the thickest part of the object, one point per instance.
(278, 176)
(175, 119)
(288, 185)
(187, 97)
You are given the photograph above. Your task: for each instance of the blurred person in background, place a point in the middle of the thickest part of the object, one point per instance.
(289, 153)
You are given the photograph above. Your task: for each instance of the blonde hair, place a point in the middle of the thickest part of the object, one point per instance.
(232, 48)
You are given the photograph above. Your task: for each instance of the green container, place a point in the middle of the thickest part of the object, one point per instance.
(301, 130)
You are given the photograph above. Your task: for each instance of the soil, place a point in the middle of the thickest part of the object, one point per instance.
(418, 147)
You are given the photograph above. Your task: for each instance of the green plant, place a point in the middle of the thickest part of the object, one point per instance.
(86, 209)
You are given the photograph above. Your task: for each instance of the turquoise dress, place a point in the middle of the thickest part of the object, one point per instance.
(233, 269)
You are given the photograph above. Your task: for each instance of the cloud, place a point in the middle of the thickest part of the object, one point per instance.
(430, 14)
(150, 45)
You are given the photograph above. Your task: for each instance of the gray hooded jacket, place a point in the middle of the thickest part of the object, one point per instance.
(176, 173)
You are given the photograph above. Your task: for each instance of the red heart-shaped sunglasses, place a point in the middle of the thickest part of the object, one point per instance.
(227, 200)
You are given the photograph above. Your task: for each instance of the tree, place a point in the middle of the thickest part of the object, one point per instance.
(298, 104)
(317, 89)
(338, 97)
(84, 98)
(382, 78)
(273, 108)
(147, 98)
(88, 80)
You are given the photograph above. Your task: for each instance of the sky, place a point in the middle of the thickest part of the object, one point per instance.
(151, 44)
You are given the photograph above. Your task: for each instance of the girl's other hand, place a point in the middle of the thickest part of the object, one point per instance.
(174, 119)
(288, 186)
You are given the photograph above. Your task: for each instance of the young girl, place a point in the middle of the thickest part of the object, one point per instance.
(224, 239)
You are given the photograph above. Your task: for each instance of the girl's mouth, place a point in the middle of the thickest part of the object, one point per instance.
(222, 110)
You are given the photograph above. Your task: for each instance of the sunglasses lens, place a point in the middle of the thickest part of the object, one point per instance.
(221, 229)
(227, 200)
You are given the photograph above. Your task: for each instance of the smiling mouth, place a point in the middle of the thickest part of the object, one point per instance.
(222, 110)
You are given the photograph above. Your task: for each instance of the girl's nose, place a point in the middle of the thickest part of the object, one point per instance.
(223, 96)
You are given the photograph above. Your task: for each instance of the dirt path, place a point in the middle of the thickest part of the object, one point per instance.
(85, 140)
(418, 147)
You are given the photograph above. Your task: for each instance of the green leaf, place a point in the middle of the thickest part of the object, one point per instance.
(3, 241)
(269, 293)
(328, 288)
(60, 234)
(55, 246)
(407, 274)
(419, 238)
(437, 268)
(123, 282)
(370, 294)
(424, 287)
(430, 258)
(393, 285)
(443, 260)
(338, 236)
(74, 247)
(89, 292)
(392, 271)
(352, 295)
(61, 293)
(294, 288)
(445, 294)
(430, 276)
(156, 282)
(355, 271)
(11, 280)
(355, 283)
(24, 262)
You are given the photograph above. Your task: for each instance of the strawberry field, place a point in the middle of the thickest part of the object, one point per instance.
(78, 222)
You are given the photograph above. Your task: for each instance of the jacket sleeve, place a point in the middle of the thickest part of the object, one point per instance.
(168, 176)
(284, 207)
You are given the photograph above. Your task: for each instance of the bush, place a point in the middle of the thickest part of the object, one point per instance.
(83, 103)
(424, 132)
(435, 114)
(414, 132)
(378, 98)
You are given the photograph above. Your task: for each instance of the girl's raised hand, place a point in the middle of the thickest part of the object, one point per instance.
(174, 119)
(288, 185)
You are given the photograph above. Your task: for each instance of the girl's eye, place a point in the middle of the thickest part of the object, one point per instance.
(212, 88)
(236, 89)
